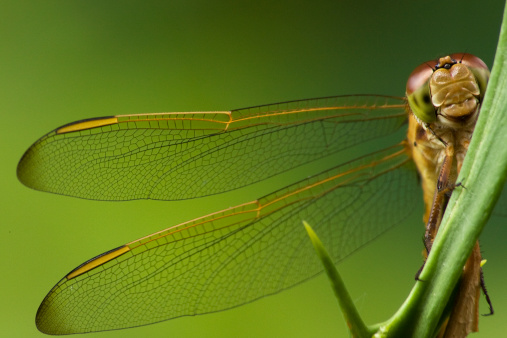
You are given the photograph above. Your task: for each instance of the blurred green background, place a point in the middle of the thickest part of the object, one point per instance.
(62, 61)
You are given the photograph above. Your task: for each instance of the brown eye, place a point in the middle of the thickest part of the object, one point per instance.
(469, 60)
(418, 92)
(420, 76)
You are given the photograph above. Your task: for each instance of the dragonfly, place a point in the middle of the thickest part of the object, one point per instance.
(257, 248)
(444, 112)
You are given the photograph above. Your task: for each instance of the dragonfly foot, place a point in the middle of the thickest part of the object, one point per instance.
(483, 287)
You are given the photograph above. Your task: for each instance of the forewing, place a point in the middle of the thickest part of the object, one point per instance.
(172, 156)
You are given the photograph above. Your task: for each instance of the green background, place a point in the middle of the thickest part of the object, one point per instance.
(62, 61)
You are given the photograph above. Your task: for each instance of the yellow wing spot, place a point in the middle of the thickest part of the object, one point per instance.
(88, 124)
(483, 262)
(99, 260)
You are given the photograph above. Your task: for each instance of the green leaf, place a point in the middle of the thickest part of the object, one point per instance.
(349, 310)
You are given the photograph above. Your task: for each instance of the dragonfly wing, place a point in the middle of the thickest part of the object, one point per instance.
(237, 255)
(148, 156)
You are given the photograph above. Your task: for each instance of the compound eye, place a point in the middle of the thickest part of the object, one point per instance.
(469, 60)
(420, 76)
(418, 92)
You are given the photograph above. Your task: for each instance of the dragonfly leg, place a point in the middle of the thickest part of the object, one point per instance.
(428, 127)
(483, 287)
(440, 199)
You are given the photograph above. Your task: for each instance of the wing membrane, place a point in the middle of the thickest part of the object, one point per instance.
(236, 255)
(148, 156)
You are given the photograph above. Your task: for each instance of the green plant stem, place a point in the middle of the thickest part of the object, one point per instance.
(349, 310)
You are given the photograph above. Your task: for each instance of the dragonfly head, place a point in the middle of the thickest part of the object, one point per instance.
(448, 90)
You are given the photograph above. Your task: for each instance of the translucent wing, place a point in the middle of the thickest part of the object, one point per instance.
(236, 255)
(171, 156)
